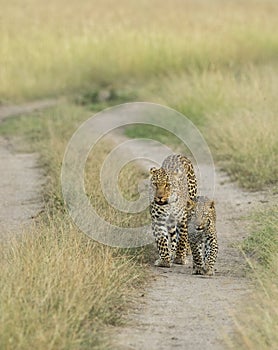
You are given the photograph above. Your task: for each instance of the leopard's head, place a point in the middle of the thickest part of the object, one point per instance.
(161, 185)
(202, 213)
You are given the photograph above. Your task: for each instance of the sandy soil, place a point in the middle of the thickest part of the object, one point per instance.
(20, 179)
(20, 185)
(181, 311)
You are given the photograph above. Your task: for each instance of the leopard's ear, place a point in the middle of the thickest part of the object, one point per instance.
(211, 204)
(152, 170)
(176, 172)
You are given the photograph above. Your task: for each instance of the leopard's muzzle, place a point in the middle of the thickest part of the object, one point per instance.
(161, 201)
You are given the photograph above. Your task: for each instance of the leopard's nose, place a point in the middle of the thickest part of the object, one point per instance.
(199, 227)
(159, 196)
(160, 200)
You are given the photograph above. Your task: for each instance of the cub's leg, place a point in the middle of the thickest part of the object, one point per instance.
(196, 244)
(197, 255)
(211, 250)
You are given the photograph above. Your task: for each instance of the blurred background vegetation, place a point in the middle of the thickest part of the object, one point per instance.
(56, 47)
(214, 61)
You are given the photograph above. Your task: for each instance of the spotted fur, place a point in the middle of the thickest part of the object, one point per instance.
(173, 188)
(202, 235)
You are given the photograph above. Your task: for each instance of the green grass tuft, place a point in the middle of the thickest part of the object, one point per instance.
(262, 245)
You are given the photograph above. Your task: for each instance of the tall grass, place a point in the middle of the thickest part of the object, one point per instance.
(257, 324)
(57, 47)
(214, 61)
(237, 112)
(60, 289)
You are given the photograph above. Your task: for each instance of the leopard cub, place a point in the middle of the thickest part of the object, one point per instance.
(202, 235)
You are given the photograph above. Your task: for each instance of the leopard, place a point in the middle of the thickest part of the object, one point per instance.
(172, 189)
(202, 235)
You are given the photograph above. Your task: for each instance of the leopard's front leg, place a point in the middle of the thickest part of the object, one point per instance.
(183, 247)
(197, 255)
(173, 235)
(211, 250)
(160, 232)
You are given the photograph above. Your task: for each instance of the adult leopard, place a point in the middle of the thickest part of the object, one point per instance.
(173, 187)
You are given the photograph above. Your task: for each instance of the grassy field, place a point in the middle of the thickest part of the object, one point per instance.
(59, 288)
(58, 47)
(218, 69)
(236, 110)
(257, 328)
(214, 61)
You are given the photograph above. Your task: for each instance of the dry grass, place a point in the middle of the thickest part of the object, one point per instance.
(128, 186)
(237, 113)
(56, 47)
(214, 61)
(60, 289)
(257, 325)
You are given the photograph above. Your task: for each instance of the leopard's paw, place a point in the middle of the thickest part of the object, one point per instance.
(197, 270)
(180, 260)
(162, 263)
(208, 271)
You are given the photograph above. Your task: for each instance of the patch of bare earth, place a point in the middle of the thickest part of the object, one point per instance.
(20, 177)
(20, 185)
(181, 311)
(12, 110)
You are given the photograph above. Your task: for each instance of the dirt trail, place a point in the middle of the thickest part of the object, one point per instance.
(20, 185)
(20, 179)
(182, 311)
(12, 110)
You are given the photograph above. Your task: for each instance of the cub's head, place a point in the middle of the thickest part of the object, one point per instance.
(202, 213)
(161, 185)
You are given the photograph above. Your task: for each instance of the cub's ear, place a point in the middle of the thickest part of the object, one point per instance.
(152, 170)
(176, 172)
(211, 204)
